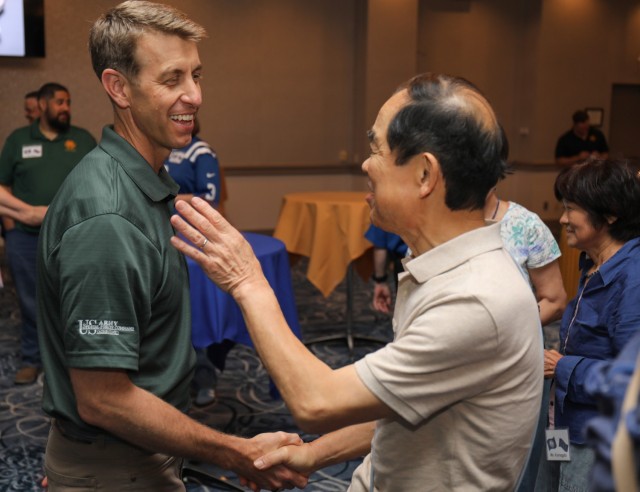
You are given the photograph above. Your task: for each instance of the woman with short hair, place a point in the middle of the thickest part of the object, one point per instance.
(602, 219)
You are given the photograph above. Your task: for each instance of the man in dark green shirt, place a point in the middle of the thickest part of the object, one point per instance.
(114, 308)
(34, 162)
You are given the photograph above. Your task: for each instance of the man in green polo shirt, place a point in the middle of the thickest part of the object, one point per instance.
(34, 162)
(114, 307)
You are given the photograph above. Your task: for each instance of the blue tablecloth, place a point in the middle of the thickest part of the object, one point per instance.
(215, 316)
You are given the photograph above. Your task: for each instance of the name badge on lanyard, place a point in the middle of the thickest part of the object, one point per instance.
(557, 445)
(31, 151)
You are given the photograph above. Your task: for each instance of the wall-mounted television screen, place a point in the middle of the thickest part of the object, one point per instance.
(22, 28)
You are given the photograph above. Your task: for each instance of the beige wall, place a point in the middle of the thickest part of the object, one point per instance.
(297, 82)
(278, 76)
(254, 201)
(537, 61)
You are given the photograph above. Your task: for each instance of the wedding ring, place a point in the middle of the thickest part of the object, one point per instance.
(204, 243)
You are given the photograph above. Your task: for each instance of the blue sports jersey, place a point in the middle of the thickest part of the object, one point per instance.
(196, 170)
(387, 240)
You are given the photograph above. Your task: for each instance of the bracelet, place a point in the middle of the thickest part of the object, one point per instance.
(381, 279)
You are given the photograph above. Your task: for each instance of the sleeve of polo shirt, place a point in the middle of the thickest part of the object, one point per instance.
(440, 359)
(108, 272)
(7, 162)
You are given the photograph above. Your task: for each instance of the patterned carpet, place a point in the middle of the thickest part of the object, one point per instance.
(243, 405)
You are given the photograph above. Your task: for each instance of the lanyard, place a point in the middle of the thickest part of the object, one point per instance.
(371, 486)
(575, 313)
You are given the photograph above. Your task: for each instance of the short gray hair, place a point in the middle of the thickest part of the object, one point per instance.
(114, 36)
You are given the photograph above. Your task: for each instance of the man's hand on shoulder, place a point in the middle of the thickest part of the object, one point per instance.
(222, 251)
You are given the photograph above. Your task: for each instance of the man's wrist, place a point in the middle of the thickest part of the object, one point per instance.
(380, 279)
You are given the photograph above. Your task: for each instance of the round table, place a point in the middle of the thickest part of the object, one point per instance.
(327, 227)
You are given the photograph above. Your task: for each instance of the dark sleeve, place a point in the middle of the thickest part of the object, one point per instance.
(7, 162)
(108, 273)
(601, 142)
(561, 150)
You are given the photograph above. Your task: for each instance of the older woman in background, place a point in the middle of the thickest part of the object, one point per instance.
(602, 218)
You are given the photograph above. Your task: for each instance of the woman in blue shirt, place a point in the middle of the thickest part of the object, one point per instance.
(601, 215)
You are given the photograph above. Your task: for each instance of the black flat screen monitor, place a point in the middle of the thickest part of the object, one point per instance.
(22, 28)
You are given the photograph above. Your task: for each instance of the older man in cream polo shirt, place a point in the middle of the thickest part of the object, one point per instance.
(452, 402)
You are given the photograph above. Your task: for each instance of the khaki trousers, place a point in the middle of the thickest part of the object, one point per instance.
(77, 466)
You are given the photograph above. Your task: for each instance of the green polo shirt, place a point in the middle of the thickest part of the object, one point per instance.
(35, 167)
(112, 291)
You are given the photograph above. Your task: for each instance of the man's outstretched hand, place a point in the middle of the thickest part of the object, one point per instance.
(299, 458)
(276, 476)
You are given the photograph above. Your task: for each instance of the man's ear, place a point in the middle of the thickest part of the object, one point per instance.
(429, 169)
(117, 87)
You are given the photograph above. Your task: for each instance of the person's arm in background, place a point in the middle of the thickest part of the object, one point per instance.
(550, 293)
(543, 268)
(571, 160)
(381, 290)
(382, 242)
(12, 208)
